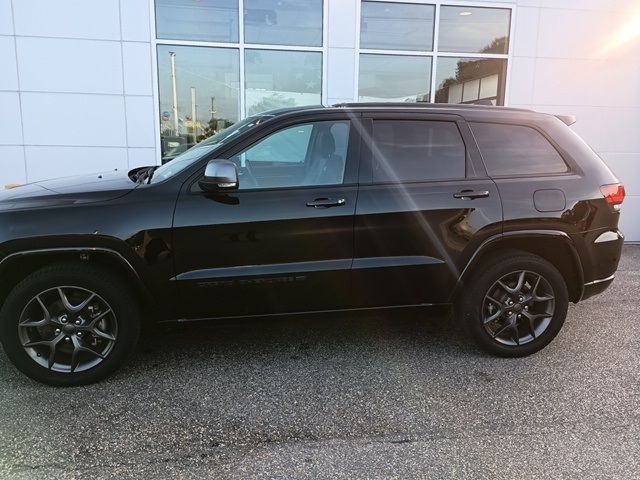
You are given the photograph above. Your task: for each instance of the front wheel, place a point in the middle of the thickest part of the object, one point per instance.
(514, 305)
(69, 324)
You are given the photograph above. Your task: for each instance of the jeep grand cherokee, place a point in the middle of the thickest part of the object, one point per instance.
(504, 214)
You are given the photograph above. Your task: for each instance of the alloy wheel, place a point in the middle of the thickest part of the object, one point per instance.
(518, 308)
(68, 329)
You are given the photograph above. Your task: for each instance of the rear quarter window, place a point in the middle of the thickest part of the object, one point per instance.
(516, 150)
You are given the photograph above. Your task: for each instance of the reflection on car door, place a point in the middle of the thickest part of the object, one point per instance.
(424, 200)
(284, 241)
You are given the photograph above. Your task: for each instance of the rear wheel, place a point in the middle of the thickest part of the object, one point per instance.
(515, 304)
(69, 324)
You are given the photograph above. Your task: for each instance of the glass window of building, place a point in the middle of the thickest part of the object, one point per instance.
(406, 30)
(269, 85)
(205, 86)
(396, 26)
(274, 22)
(470, 80)
(204, 83)
(394, 78)
(205, 20)
(474, 30)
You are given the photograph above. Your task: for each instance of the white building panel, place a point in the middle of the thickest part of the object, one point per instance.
(53, 162)
(343, 19)
(136, 59)
(10, 119)
(73, 119)
(9, 76)
(526, 32)
(521, 80)
(140, 157)
(12, 167)
(74, 66)
(68, 18)
(136, 23)
(341, 73)
(6, 18)
(140, 122)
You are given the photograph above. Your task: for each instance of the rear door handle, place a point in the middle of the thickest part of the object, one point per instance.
(470, 194)
(327, 202)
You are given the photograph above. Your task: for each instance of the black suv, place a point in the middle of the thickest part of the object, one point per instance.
(505, 214)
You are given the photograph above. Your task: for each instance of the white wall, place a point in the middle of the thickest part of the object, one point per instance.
(76, 89)
(567, 61)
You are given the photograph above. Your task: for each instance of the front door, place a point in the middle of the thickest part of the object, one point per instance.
(281, 243)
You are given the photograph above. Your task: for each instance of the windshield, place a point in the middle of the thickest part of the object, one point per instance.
(195, 153)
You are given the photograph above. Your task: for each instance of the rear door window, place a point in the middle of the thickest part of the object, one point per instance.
(417, 150)
(516, 150)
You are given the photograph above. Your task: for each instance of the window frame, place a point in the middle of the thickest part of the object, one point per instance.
(241, 46)
(436, 53)
(572, 168)
(367, 159)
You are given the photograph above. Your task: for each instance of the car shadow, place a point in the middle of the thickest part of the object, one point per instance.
(299, 336)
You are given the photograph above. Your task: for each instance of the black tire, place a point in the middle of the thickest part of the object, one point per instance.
(107, 288)
(473, 306)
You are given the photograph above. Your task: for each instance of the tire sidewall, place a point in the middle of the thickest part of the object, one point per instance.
(471, 308)
(106, 286)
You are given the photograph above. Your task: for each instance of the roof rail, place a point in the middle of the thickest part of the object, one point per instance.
(567, 119)
(425, 105)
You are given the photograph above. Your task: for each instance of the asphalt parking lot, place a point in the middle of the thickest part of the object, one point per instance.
(377, 396)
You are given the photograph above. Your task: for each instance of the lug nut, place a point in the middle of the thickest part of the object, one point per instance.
(68, 339)
(63, 319)
(526, 307)
(57, 331)
(521, 298)
(510, 313)
(79, 334)
(77, 322)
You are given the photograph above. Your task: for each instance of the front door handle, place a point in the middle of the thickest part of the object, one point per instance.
(327, 202)
(471, 194)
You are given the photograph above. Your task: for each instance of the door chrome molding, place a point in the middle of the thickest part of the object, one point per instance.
(390, 262)
(263, 270)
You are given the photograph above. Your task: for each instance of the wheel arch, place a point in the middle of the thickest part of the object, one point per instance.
(555, 246)
(17, 266)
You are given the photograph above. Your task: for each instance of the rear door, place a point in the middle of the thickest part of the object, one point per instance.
(425, 203)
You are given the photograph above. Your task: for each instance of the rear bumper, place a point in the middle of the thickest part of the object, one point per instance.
(604, 249)
(596, 286)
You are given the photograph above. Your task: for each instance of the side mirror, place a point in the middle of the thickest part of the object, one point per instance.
(220, 175)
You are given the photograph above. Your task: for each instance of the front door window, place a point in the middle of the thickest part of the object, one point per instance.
(309, 154)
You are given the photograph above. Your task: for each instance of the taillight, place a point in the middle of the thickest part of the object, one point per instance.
(613, 194)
